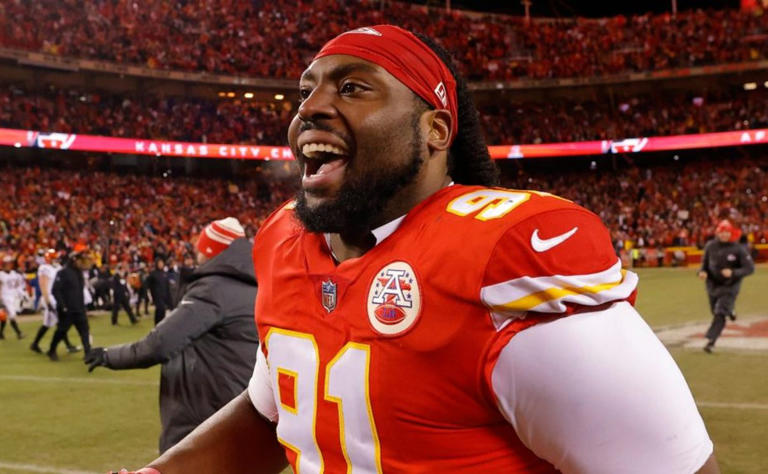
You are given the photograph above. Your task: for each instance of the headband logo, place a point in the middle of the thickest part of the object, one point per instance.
(441, 94)
(365, 31)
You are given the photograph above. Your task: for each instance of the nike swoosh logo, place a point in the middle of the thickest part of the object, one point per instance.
(542, 245)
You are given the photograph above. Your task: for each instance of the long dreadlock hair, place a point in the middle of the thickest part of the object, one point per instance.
(468, 159)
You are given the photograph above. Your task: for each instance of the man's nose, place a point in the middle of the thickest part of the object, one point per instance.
(319, 104)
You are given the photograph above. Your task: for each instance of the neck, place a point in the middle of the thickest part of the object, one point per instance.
(353, 243)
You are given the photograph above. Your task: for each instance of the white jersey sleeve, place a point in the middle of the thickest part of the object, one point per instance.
(596, 393)
(260, 389)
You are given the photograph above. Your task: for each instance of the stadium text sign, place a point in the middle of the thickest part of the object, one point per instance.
(132, 146)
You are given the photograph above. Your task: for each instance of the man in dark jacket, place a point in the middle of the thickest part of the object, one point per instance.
(208, 344)
(723, 266)
(160, 287)
(121, 295)
(68, 288)
(141, 290)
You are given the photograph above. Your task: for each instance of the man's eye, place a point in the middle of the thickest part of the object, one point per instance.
(350, 88)
(304, 93)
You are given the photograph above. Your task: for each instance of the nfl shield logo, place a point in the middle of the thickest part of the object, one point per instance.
(329, 295)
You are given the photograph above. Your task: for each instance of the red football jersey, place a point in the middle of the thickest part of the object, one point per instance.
(382, 363)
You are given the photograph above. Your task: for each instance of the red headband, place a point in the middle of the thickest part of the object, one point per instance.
(404, 56)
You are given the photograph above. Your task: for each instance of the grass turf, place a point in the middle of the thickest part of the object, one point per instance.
(58, 418)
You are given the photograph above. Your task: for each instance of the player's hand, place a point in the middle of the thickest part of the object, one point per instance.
(703, 275)
(96, 357)
(726, 272)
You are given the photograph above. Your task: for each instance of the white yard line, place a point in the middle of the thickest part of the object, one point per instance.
(741, 406)
(37, 378)
(39, 468)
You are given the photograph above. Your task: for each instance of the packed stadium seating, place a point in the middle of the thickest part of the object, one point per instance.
(243, 121)
(672, 204)
(644, 206)
(131, 217)
(134, 217)
(277, 39)
(144, 116)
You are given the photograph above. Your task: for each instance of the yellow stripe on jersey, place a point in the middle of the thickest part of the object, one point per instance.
(527, 303)
(549, 294)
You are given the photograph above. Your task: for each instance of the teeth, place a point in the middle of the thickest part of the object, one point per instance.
(311, 150)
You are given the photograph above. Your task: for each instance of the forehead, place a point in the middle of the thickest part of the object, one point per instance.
(337, 66)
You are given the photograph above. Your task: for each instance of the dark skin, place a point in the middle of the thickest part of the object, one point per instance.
(358, 102)
(364, 106)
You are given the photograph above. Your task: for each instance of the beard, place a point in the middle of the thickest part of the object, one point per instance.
(361, 199)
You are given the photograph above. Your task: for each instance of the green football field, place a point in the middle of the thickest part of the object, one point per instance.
(58, 418)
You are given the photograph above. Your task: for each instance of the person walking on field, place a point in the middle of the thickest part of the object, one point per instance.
(46, 275)
(69, 293)
(724, 264)
(121, 295)
(160, 288)
(9, 295)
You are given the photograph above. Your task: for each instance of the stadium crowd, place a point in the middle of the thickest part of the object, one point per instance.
(506, 122)
(144, 116)
(663, 206)
(123, 218)
(277, 39)
(130, 219)
(243, 121)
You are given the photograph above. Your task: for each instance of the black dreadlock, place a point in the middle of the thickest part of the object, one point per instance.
(468, 159)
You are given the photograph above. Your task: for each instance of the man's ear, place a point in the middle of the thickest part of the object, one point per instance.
(439, 123)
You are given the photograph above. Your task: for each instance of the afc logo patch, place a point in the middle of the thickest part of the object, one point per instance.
(394, 299)
(329, 295)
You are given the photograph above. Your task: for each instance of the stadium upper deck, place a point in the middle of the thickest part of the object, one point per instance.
(278, 40)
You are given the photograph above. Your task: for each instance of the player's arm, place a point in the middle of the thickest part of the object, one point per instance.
(182, 326)
(597, 392)
(238, 438)
(234, 440)
(44, 279)
(747, 266)
(590, 389)
(58, 290)
(702, 273)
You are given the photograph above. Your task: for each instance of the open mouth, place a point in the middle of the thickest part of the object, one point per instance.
(322, 158)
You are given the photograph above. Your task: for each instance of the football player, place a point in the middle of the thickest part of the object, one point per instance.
(10, 288)
(46, 275)
(416, 318)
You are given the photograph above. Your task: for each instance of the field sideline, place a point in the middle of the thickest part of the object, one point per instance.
(57, 418)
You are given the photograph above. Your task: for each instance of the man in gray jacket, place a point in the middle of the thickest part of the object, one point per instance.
(724, 264)
(208, 344)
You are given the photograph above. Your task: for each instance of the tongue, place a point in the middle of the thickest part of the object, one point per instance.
(329, 166)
